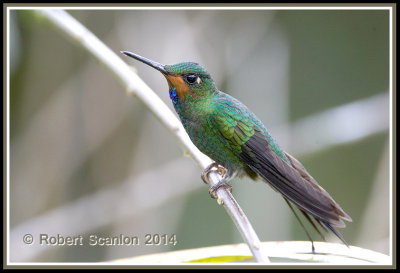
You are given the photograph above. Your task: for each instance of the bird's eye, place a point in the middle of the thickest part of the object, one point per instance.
(192, 79)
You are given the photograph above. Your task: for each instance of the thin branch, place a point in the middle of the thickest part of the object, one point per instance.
(140, 89)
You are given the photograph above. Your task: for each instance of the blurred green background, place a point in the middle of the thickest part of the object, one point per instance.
(85, 158)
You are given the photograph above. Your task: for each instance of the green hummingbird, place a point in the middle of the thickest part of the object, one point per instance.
(224, 129)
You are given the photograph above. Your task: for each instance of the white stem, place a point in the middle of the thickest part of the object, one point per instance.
(143, 92)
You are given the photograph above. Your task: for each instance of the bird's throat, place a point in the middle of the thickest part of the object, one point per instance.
(181, 88)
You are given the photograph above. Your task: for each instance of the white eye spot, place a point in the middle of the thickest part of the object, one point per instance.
(198, 80)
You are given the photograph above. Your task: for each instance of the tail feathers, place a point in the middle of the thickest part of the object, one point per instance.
(324, 225)
(286, 180)
(334, 231)
(294, 183)
(313, 225)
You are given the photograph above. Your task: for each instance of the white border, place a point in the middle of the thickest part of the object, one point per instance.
(378, 7)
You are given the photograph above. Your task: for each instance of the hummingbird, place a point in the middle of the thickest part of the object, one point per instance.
(224, 129)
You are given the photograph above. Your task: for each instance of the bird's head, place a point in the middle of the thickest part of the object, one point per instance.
(184, 79)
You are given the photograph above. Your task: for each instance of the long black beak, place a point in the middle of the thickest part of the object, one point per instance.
(158, 66)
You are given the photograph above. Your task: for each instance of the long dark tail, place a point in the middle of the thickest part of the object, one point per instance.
(334, 231)
(325, 226)
(294, 183)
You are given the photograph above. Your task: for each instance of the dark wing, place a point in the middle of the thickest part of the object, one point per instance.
(305, 175)
(303, 172)
(292, 181)
(249, 142)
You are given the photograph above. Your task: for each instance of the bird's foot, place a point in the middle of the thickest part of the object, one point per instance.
(222, 171)
(209, 168)
(214, 188)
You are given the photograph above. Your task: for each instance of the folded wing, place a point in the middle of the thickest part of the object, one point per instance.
(290, 179)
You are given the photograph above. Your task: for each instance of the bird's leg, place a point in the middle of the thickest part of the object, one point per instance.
(221, 183)
(208, 169)
(214, 188)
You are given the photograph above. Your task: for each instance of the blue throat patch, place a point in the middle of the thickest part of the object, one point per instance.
(173, 95)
